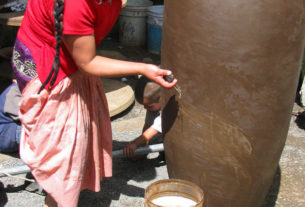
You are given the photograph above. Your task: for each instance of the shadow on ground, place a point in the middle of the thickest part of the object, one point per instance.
(300, 120)
(126, 174)
(3, 196)
(272, 195)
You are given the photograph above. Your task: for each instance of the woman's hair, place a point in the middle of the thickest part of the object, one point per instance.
(147, 89)
(58, 22)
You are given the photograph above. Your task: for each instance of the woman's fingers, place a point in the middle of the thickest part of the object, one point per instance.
(167, 84)
(157, 75)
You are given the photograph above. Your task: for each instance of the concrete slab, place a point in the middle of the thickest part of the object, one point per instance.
(118, 94)
(134, 124)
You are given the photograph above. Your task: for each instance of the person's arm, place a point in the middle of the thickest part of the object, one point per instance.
(142, 140)
(148, 134)
(145, 127)
(83, 52)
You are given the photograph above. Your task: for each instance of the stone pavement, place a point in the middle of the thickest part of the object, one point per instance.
(130, 178)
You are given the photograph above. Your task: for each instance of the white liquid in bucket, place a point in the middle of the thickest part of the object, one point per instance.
(173, 201)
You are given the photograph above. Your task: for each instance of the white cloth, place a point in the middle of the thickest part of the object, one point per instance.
(302, 93)
(153, 119)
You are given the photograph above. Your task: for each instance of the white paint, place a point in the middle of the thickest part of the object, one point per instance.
(173, 201)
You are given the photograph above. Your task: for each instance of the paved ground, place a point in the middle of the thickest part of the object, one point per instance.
(126, 187)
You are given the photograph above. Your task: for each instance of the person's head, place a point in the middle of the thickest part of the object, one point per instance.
(147, 93)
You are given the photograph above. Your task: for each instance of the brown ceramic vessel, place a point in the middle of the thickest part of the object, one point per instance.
(238, 64)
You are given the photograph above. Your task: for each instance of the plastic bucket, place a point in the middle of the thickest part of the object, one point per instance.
(132, 23)
(154, 28)
(173, 192)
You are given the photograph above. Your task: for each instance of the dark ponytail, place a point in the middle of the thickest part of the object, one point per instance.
(58, 22)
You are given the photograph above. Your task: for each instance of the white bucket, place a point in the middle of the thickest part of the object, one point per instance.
(155, 15)
(132, 22)
(154, 28)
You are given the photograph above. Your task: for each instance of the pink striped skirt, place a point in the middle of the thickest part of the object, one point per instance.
(66, 138)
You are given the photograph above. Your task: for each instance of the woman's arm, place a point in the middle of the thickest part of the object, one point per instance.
(83, 51)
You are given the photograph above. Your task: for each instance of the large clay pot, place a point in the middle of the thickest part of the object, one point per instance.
(237, 63)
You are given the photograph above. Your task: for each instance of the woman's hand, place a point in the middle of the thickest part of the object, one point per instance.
(83, 52)
(156, 74)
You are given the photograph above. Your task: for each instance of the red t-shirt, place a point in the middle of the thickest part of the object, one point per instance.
(81, 17)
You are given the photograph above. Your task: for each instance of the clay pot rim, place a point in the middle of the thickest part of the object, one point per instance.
(174, 181)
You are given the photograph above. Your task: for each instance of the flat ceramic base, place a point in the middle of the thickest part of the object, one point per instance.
(119, 95)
